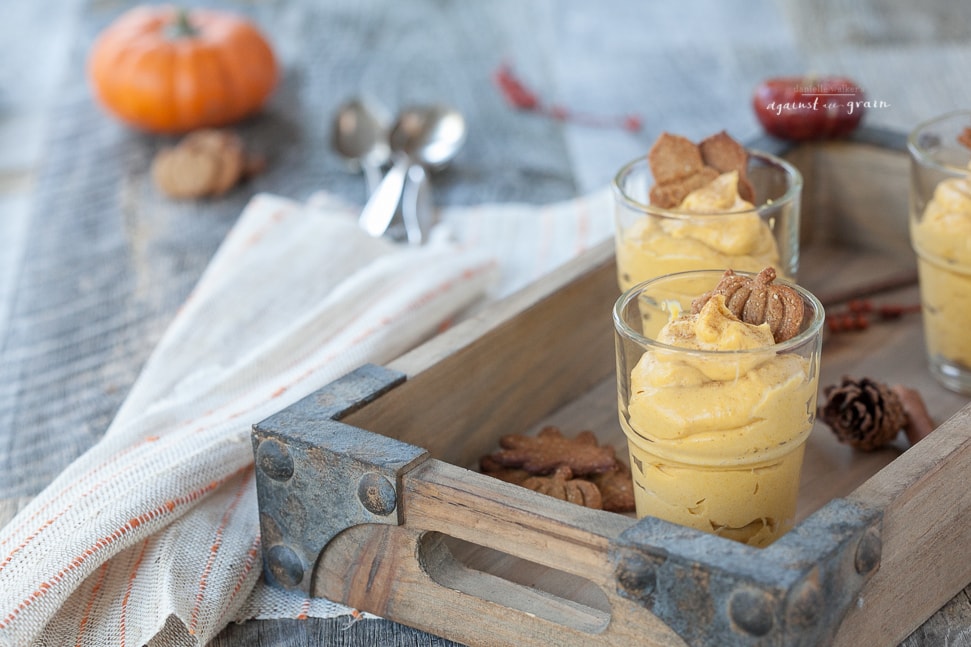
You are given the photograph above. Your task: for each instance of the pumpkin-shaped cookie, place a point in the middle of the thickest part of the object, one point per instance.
(757, 300)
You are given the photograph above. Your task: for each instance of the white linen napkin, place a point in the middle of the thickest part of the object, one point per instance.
(152, 536)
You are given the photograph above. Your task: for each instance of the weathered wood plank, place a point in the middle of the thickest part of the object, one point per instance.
(332, 632)
(926, 533)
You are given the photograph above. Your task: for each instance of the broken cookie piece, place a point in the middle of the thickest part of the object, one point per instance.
(491, 467)
(721, 152)
(562, 485)
(673, 157)
(205, 163)
(226, 149)
(184, 174)
(672, 194)
(616, 488)
(680, 166)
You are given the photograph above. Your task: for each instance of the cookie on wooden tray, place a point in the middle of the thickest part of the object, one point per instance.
(543, 453)
(576, 469)
(616, 488)
(562, 485)
(490, 467)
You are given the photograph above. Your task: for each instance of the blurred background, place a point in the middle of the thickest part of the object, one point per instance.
(94, 261)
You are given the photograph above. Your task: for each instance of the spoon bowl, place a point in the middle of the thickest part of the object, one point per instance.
(427, 137)
(430, 135)
(359, 134)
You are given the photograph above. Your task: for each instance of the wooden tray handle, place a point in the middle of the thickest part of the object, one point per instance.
(550, 579)
(482, 510)
(694, 588)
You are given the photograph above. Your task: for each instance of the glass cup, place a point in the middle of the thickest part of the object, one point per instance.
(651, 241)
(940, 232)
(716, 437)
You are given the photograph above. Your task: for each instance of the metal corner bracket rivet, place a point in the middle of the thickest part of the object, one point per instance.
(377, 494)
(273, 458)
(868, 551)
(805, 602)
(751, 611)
(285, 565)
(637, 576)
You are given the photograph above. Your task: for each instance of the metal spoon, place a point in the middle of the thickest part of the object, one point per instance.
(426, 136)
(360, 135)
(416, 204)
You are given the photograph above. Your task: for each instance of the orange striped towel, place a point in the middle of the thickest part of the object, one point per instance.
(153, 534)
(527, 240)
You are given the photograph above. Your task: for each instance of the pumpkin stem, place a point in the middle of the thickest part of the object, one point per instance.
(181, 27)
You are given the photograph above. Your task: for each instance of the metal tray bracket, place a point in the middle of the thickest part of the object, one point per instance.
(713, 591)
(302, 450)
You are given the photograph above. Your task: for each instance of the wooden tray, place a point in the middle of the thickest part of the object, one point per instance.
(368, 494)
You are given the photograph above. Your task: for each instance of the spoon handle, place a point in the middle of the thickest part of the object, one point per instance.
(416, 205)
(381, 206)
(372, 176)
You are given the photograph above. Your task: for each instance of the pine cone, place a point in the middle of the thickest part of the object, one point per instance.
(864, 414)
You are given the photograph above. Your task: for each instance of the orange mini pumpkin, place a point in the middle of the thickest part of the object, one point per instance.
(168, 70)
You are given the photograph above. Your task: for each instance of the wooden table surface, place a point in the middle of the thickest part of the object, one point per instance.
(95, 262)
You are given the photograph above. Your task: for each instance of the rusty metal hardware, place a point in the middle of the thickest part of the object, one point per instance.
(304, 460)
(717, 592)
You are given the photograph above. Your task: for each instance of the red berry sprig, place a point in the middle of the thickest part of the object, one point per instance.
(521, 97)
(859, 313)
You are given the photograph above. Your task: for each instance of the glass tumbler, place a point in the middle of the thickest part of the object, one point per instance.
(716, 436)
(651, 241)
(940, 232)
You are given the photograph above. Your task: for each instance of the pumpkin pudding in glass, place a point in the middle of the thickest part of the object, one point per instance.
(940, 232)
(717, 409)
(713, 205)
